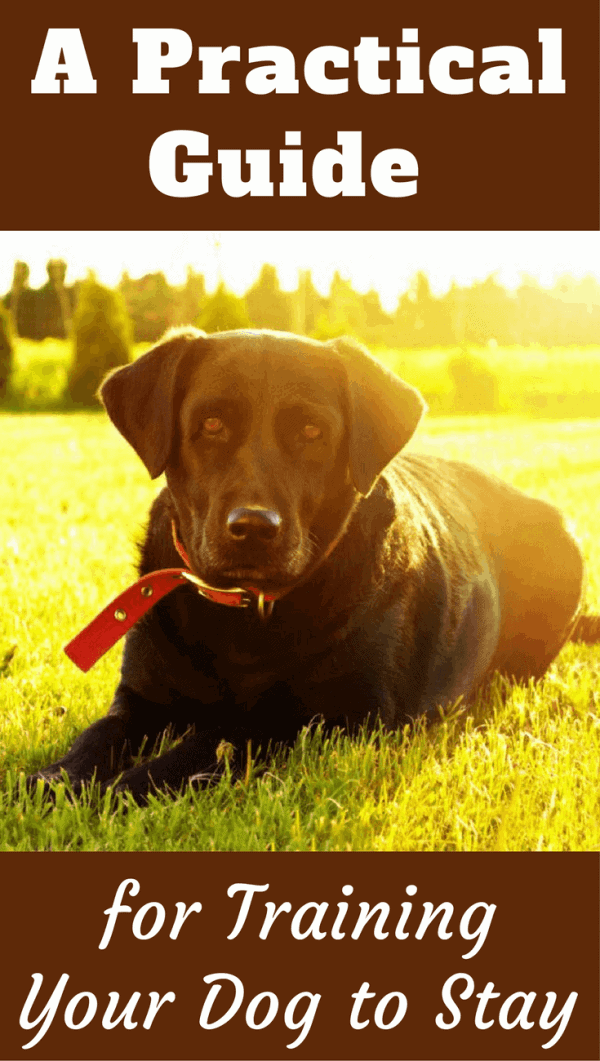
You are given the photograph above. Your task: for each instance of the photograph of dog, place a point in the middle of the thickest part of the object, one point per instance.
(331, 576)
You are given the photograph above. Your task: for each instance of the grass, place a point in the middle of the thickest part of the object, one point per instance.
(531, 381)
(40, 373)
(519, 773)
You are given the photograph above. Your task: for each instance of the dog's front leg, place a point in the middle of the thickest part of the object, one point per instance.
(107, 746)
(348, 701)
(195, 758)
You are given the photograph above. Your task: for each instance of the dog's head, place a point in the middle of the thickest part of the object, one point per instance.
(266, 438)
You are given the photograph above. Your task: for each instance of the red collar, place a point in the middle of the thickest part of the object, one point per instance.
(120, 615)
(235, 598)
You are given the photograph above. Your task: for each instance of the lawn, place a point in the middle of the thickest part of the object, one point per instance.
(527, 381)
(519, 773)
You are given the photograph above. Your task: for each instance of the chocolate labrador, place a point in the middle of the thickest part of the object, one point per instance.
(367, 584)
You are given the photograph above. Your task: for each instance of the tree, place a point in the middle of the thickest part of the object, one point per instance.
(375, 315)
(423, 320)
(307, 305)
(223, 311)
(150, 303)
(57, 271)
(189, 299)
(489, 313)
(40, 313)
(343, 312)
(6, 352)
(269, 306)
(18, 303)
(52, 304)
(101, 340)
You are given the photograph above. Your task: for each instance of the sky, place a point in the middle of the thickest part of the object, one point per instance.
(384, 260)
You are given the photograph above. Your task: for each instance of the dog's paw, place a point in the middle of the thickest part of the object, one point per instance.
(49, 780)
(135, 787)
(43, 780)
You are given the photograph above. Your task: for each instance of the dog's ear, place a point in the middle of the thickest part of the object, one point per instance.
(141, 398)
(383, 413)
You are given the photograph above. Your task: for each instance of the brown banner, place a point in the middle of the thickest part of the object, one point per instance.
(350, 966)
(461, 116)
(338, 956)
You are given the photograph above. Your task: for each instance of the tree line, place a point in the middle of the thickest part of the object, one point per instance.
(567, 314)
(104, 322)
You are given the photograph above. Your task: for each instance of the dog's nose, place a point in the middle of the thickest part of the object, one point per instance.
(261, 523)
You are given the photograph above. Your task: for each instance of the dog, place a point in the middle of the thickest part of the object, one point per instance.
(379, 586)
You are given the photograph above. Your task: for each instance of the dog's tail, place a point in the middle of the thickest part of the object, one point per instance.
(586, 629)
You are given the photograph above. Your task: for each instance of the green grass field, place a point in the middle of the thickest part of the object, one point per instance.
(531, 381)
(519, 773)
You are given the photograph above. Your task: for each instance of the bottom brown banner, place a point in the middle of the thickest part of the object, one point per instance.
(324, 956)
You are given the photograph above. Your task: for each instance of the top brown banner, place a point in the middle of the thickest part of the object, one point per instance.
(228, 116)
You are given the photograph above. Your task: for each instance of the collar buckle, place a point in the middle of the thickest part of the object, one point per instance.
(238, 598)
(264, 607)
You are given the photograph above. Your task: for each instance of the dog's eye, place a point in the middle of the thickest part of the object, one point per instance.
(213, 425)
(310, 433)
